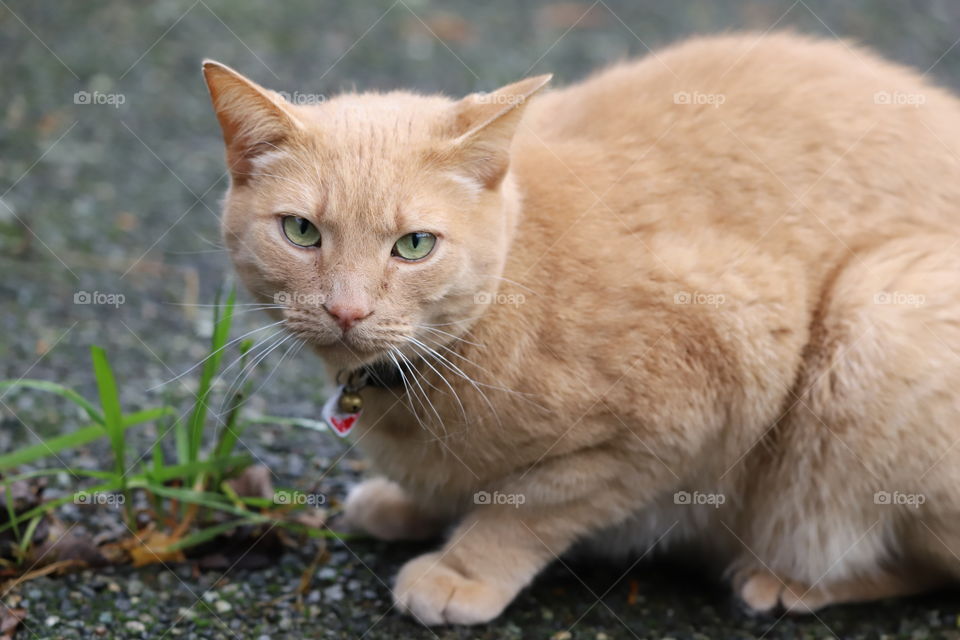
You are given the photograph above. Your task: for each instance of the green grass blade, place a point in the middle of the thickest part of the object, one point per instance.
(53, 504)
(232, 428)
(221, 332)
(60, 390)
(12, 513)
(303, 423)
(110, 401)
(26, 475)
(113, 421)
(157, 458)
(28, 534)
(181, 440)
(74, 439)
(208, 533)
(191, 469)
(207, 499)
(218, 502)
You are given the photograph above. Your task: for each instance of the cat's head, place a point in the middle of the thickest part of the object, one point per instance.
(372, 221)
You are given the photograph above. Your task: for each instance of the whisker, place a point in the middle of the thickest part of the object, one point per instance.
(452, 336)
(215, 352)
(454, 368)
(426, 397)
(447, 324)
(209, 242)
(524, 395)
(295, 348)
(449, 386)
(410, 390)
(259, 345)
(265, 305)
(249, 369)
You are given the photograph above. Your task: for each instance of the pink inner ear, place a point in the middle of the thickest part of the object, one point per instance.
(484, 126)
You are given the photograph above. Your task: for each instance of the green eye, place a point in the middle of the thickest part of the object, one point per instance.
(414, 246)
(301, 231)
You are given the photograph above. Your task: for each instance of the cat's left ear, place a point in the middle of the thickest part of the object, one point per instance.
(254, 120)
(483, 126)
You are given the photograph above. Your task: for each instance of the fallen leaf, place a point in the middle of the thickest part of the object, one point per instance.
(39, 573)
(152, 546)
(10, 619)
(73, 543)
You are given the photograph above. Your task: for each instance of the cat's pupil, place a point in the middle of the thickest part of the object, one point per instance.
(415, 240)
(304, 225)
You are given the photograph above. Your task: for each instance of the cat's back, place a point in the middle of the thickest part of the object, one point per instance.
(740, 130)
(773, 81)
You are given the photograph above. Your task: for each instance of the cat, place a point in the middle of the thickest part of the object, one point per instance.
(710, 297)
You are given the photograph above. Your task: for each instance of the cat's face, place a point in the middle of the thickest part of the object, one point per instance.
(373, 222)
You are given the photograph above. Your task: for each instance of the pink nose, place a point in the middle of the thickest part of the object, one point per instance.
(346, 316)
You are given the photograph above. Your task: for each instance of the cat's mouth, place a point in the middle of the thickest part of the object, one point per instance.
(351, 348)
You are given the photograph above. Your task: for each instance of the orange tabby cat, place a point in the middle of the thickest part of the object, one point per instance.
(711, 297)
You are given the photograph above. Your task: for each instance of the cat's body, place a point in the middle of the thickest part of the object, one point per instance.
(729, 272)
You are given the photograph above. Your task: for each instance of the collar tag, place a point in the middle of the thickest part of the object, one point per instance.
(340, 421)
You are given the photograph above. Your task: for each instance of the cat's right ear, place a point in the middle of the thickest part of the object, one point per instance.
(254, 120)
(484, 124)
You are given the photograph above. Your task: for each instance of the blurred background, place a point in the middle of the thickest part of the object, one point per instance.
(111, 172)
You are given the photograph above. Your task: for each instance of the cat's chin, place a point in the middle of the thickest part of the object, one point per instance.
(341, 356)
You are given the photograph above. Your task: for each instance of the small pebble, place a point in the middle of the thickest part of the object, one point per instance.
(333, 593)
(327, 573)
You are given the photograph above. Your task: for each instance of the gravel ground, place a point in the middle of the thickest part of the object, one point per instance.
(117, 194)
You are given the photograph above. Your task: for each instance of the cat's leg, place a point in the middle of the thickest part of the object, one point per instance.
(760, 591)
(383, 509)
(498, 549)
(855, 491)
(763, 592)
(489, 558)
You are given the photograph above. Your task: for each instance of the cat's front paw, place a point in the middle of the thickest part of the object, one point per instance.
(762, 592)
(435, 593)
(382, 509)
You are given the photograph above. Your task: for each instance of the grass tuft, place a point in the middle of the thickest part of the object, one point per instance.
(190, 499)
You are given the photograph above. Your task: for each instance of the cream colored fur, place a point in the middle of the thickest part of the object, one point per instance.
(731, 269)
